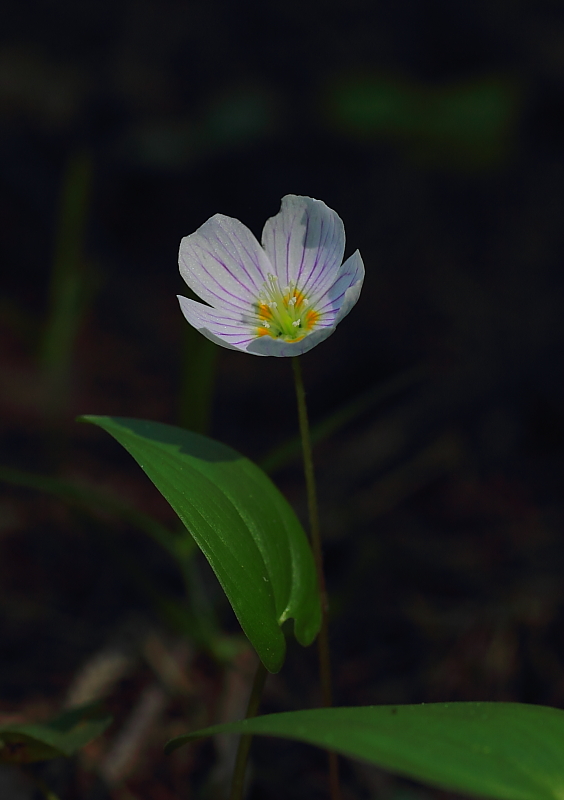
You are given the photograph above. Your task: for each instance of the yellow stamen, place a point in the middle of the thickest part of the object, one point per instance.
(264, 311)
(311, 318)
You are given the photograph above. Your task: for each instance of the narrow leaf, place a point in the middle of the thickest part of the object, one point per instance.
(509, 751)
(241, 522)
(63, 736)
(93, 499)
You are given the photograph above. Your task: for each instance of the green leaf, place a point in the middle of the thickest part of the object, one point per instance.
(509, 751)
(241, 522)
(63, 736)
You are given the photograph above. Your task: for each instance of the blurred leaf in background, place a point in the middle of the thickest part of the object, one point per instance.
(62, 736)
(465, 124)
(68, 281)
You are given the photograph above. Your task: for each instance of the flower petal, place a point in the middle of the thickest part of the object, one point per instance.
(267, 346)
(228, 329)
(305, 242)
(343, 294)
(224, 264)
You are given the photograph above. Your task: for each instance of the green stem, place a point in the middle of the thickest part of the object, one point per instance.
(323, 638)
(238, 781)
(199, 363)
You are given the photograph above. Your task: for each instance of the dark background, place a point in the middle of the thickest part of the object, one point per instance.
(435, 130)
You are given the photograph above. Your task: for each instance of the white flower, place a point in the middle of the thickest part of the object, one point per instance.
(280, 299)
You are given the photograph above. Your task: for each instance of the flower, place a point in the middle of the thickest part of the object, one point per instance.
(280, 299)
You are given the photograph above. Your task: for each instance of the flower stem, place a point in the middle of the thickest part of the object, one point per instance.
(323, 638)
(238, 780)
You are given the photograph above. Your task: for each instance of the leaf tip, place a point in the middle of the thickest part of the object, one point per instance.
(174, 744)
(90, 418)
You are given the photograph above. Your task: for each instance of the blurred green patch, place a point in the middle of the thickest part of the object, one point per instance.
(465, 124)
(234, 118)
(240, 116)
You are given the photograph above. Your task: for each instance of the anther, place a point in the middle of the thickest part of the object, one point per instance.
(297, 323)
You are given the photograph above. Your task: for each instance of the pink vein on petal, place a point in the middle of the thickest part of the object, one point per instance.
(226, 268)
(214, 279)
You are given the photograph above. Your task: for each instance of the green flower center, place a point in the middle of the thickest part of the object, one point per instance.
(284, 313)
